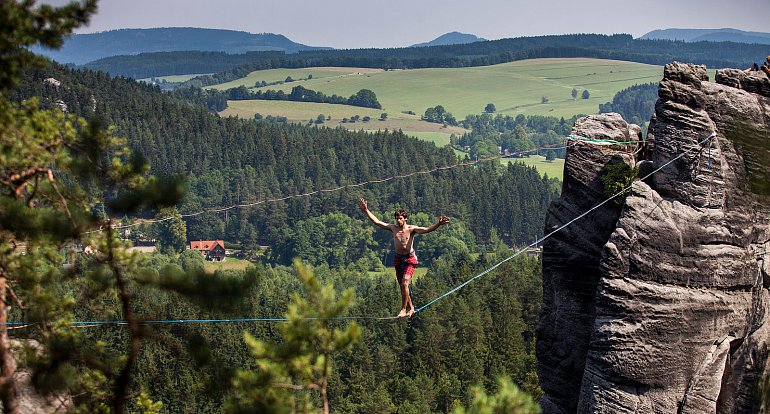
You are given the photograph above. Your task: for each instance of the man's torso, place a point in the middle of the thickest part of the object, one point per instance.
(403, 239)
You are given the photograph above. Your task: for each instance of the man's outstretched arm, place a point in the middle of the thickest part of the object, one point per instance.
(441, 221)
(365, 208)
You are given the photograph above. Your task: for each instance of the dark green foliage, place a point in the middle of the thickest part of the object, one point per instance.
(617, 179)
(61, 177)
(191, 261)
(214, 100)
(422, 365)
(455, 240)
(516, 133)
(585, 94)
(364, 98)
(636, 103)
(157, 193)
(172, 231)
(439, 115)
(186, 366)
(334, 239)
(490, 108)
(22, 27)
(484, 149)
(468, 338)
(411, 366)
(289, 373)
(508, 399)
(230, 161)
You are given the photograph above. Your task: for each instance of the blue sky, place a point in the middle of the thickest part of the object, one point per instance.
(397, 23)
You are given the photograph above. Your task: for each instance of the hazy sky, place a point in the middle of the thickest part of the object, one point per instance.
(396, 23)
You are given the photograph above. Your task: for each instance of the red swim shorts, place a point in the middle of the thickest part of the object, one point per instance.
(405, 266)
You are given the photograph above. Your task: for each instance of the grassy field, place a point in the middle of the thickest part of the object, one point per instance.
(306, 111)
(410, 124)
(230, 263)
(514, 88)
(280, 75)
(554, 169)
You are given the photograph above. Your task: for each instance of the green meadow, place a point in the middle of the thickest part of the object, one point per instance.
(230, 263)
(306, 111)
(554, 169)
(280, 75)
(514, 88)
(441, 139)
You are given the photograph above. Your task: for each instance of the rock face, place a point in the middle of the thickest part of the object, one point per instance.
(29, 399)
(660, 302)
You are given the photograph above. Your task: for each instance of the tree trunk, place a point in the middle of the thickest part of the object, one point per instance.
(121, 388)
(7, 363)
(324, 383)
(134, 329)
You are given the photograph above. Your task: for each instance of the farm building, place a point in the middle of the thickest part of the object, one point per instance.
(213, 250)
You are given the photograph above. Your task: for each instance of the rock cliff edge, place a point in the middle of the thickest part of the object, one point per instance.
(660, 302)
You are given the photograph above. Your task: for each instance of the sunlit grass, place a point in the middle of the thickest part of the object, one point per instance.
(514, 88)
(230, 263)
(554, 168)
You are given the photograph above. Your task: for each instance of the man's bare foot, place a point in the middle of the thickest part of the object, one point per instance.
(401, 314)
(410, 313)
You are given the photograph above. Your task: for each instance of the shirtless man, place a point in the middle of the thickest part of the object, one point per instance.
(403, 240)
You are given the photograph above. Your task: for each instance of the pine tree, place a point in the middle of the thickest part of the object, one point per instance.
(508, 399)
(288, 371)
(62, 179)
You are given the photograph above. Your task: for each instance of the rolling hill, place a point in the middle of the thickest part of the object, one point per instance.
(452, 38)
(83, 48)
(514, 88)
(710, 35)
(491, 52)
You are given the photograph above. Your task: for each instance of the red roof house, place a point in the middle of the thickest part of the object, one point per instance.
(213, 250)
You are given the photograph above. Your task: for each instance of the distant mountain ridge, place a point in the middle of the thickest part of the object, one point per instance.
(710, 35)
(491, 52)
(83, 48)
(451, 38)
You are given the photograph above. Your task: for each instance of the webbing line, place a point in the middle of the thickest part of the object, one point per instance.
(460, 286)
(573, 137)
(90, 324)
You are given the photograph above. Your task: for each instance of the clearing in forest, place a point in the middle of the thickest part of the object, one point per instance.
(514, 88)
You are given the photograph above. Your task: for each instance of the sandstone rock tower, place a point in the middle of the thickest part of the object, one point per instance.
(660, 303)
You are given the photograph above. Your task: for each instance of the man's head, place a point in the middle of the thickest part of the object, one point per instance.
(401, 214)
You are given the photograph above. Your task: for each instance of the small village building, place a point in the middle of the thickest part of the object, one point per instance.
(213, 250)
